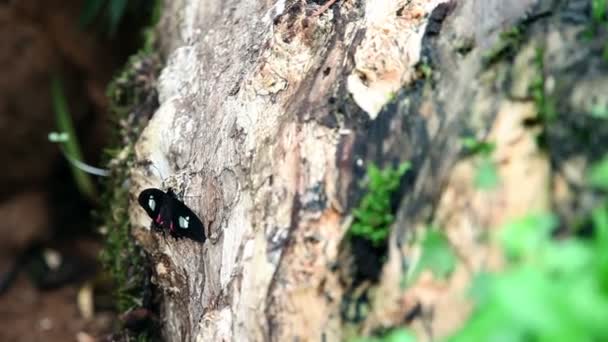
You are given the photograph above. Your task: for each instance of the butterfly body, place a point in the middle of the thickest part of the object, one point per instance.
(168, 213)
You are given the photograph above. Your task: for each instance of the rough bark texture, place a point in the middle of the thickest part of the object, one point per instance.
(270, 113)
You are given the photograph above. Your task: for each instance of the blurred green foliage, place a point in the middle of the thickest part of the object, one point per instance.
(437, 255)
(598, 175)
(486, 174)
(599, 112)
(395, 335)
(70, 144)
(598, 11)
(551, 290)
(545, 105)
(112, 12)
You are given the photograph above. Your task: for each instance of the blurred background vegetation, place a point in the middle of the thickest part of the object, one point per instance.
(61, 126)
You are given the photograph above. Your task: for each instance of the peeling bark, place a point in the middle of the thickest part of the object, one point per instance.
(270, 113)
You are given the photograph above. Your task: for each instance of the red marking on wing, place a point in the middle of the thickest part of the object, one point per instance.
(158, 219)
(171, 226)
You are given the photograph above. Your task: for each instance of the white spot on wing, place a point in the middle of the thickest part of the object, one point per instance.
(183, 222)
(152, 203)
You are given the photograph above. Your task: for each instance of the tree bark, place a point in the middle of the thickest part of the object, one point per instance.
(270, 113)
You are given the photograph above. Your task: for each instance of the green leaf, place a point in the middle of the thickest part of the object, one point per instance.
(374, 175)
(486, 176)
(599, 111)
(403, 168)
(379, 236)
(553, 290)
(399, 335)
(525, 295)
(600, 223)
(475, 146)
(116, 10)
(598, 176)
(488, 324)
(437, 254)
(524, 236)
(72, 147)
(598, 10)
(567, 257)
(395, 335)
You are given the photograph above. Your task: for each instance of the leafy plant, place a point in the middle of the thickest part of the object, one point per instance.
(373, 216)
(551, 290)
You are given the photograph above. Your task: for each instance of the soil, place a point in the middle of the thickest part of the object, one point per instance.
(28, 314)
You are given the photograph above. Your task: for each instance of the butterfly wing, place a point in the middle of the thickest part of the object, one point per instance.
(152, 201)
(184, 222)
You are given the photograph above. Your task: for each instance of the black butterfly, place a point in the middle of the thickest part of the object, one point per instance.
(169, 213)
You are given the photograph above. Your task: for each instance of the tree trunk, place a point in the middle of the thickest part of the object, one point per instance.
(270, 114)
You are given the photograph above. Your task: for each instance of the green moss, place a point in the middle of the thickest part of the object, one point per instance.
(509, 43)
(133, 100)
(545, 105)
(122, 258)
(366, 240)
(425, 70)
(373, 216)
